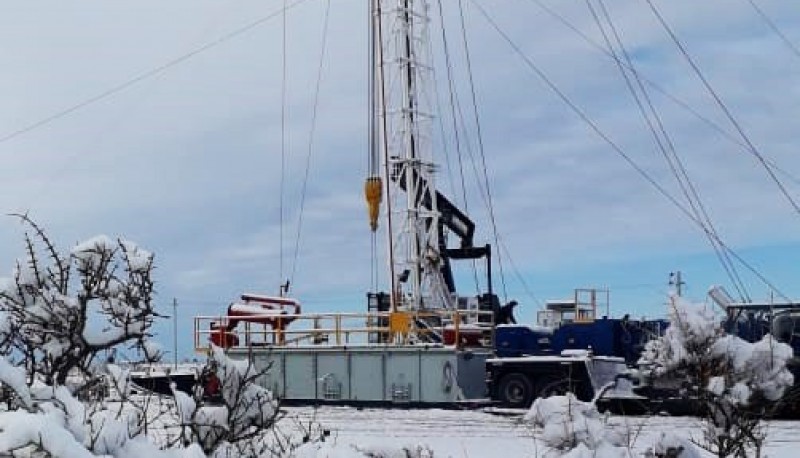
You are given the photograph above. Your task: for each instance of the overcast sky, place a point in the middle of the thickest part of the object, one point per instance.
(186, 161)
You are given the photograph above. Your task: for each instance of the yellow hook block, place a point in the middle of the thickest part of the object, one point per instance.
(373, 192)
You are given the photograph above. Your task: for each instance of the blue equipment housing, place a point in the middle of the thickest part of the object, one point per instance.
(620, 337)
(753, 321)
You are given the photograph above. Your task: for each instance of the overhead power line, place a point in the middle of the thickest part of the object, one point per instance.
(750, 146)
(454, 112)
(283, 147)
(771, 24)
(311, 135)
(663, 140)
(616, 148)
(481, 150)
(146, 75)
(661, 90)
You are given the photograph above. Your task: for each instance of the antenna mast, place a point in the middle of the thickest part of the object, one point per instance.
(676, 280)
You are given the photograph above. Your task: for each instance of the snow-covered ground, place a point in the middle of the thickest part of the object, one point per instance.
(499, 433)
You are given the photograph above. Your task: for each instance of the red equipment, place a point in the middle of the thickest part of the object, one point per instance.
(277, 312)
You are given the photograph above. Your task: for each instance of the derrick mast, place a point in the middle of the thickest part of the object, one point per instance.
(404, 95)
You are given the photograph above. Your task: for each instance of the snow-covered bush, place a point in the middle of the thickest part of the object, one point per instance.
(239, 423)
(50, 421)
(735, 383)
(575, 429)
(60, 313)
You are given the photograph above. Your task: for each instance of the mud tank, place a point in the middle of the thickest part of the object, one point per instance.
(355, 358)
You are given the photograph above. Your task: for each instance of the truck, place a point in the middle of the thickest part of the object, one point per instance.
(569, 349)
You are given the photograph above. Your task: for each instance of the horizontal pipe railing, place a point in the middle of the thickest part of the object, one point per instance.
(330, 329)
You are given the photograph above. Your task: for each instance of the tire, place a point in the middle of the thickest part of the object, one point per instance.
(552, 386)
(515, 390)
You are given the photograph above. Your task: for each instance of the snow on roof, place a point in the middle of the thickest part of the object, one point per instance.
(566, 355)
(532, 327)
(255, 310)
(575, 352)
(538, 358)
(468, 326)
(269, 299)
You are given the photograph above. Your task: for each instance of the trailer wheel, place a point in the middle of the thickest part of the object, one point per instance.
(515, 390)
(552, 386)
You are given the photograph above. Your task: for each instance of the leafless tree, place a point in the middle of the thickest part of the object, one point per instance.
(229, 412)
(63, 312)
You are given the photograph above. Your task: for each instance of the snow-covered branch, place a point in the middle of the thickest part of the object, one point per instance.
(58, 326)
(734, 382)
(246, 410)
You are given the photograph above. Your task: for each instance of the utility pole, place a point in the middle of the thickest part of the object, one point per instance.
(175, 330)
(676, 281)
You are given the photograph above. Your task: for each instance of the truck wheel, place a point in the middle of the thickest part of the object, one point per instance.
(515, 390)
(552, 386)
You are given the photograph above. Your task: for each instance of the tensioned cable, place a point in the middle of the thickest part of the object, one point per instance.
(481, 148)
(445, 150)
(699, 208)
(451, 93)
(595, 128)
(146, 75)
(665, 145)
(372, 146)
(481, 179)
(728, 136)
(771, 24)
(687, 185)
(373, 161)
(456, 133)
(677, 101)
(313, 130)
(283, 139)
(518, 274)
(751, 147)
(462, 124)
(381, 95)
